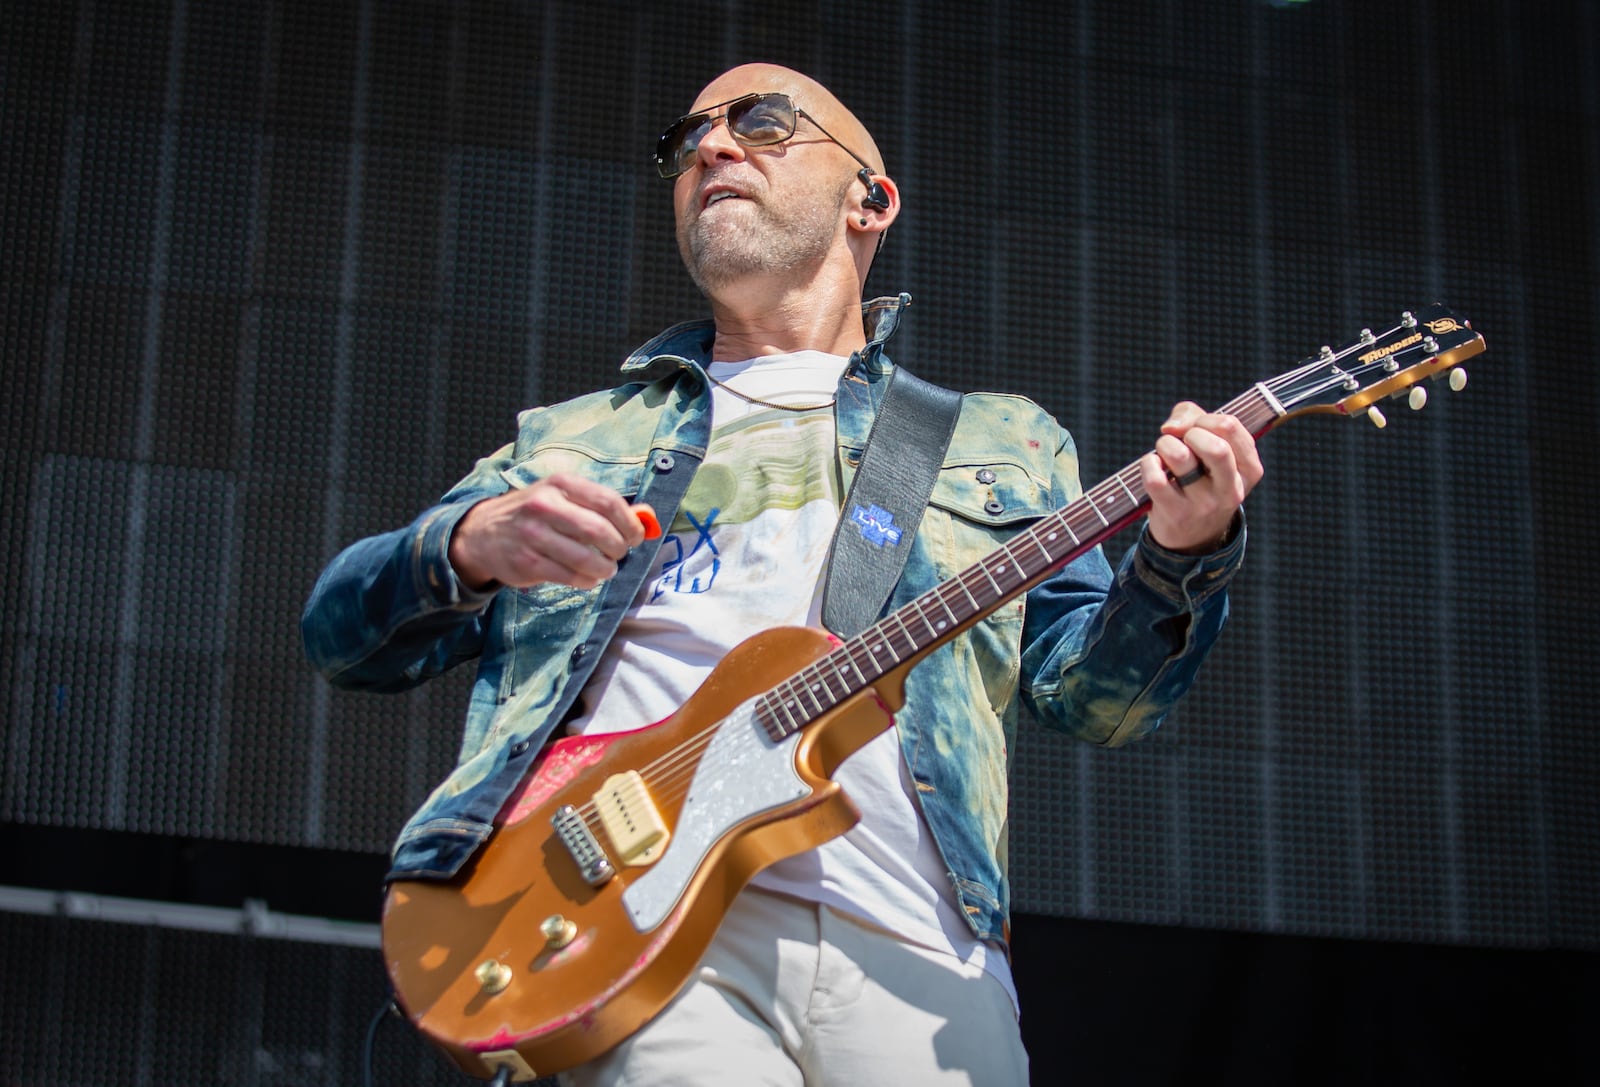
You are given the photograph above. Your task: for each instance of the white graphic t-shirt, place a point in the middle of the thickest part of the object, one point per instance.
(745, 553)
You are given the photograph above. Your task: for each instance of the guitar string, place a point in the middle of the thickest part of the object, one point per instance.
(673, 769)
(670, 768)
(666, 772)
(669, 771)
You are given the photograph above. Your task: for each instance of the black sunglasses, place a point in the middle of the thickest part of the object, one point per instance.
(755, 120)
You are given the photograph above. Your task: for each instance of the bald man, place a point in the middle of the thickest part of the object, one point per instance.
(879, 955)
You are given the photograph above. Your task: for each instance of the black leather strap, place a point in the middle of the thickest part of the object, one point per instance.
(881, 513)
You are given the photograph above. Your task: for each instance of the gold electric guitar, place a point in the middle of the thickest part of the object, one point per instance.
(613, 863)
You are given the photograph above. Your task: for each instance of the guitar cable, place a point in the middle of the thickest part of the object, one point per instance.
(389, 1008)
(502, 1077)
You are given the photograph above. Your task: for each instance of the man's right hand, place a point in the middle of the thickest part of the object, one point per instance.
(563, 529)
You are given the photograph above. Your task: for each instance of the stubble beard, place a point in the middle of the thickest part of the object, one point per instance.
(773, 239)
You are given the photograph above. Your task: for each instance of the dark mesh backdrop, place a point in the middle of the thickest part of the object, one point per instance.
(273, 274)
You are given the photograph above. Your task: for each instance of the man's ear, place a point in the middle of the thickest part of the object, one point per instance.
(881, 204)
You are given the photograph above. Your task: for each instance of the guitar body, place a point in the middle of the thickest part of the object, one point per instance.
(624, 948)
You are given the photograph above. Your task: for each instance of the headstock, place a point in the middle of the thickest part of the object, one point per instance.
(1350, 379)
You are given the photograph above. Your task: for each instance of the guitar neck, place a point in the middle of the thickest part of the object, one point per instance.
(911, 632)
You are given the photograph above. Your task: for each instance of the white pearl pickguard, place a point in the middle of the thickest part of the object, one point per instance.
(742, 773)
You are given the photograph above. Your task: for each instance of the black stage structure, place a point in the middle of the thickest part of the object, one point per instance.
(274, 272)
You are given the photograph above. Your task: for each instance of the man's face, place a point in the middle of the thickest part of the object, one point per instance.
(748, 211)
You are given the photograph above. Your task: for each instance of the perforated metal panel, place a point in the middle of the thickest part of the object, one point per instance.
(274, 274)
(107, 1003)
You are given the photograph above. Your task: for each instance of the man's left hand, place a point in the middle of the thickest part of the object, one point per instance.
(1203, 466)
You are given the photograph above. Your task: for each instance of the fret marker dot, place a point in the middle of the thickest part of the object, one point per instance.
(942, 624)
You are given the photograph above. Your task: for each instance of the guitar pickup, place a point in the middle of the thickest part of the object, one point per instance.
(631, 819)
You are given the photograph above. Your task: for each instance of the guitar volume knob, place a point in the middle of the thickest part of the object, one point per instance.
(558, 931)
(493, 976)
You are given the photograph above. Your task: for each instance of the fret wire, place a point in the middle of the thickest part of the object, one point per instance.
(1094, 504)
(1082, 517)
(810, 691)
(787, 697)
(886, 640)
(933, 632)
(873, 653)
(863, 652)
(998, 590)
(850, 656)
(1021, 555)
(1131, 496)
(1043, 550)
(823, 676)
(769, 724)
(911, 641)
(961, 582)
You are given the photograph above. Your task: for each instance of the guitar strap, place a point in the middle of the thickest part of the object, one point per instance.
(899, 465)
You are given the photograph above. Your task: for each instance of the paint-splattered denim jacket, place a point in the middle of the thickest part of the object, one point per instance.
(1099, 655)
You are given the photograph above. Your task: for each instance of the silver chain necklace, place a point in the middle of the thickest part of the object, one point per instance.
(748, 399)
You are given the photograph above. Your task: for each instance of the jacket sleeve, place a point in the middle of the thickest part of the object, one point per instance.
(389, 611)
(1105, 656)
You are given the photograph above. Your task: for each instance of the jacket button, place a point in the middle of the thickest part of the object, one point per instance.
(994, 506)
(520, 747)
(664, 462)
(985, 475)
(579, 651)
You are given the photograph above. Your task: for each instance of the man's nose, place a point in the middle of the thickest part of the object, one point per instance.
(718, 145)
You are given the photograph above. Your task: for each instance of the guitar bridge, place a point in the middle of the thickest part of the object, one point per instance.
(631, 819)
(582, 845)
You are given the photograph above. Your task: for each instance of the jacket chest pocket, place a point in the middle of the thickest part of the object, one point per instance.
(982, 504)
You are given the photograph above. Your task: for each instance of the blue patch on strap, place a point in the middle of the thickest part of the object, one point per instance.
(877, 525)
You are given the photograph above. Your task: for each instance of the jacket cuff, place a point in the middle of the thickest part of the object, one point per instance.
(436, 580)
(1190, 579)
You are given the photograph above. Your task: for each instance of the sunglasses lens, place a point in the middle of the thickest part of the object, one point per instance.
(762, 119)
(755, 120)
(675, 150)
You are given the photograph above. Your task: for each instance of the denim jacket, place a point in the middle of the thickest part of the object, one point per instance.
(1101, 656)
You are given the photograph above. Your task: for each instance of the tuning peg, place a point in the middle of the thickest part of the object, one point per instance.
(1458, 380)
(1418, 398)
(1377, 418)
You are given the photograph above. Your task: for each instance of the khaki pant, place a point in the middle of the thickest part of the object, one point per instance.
(793, 994)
